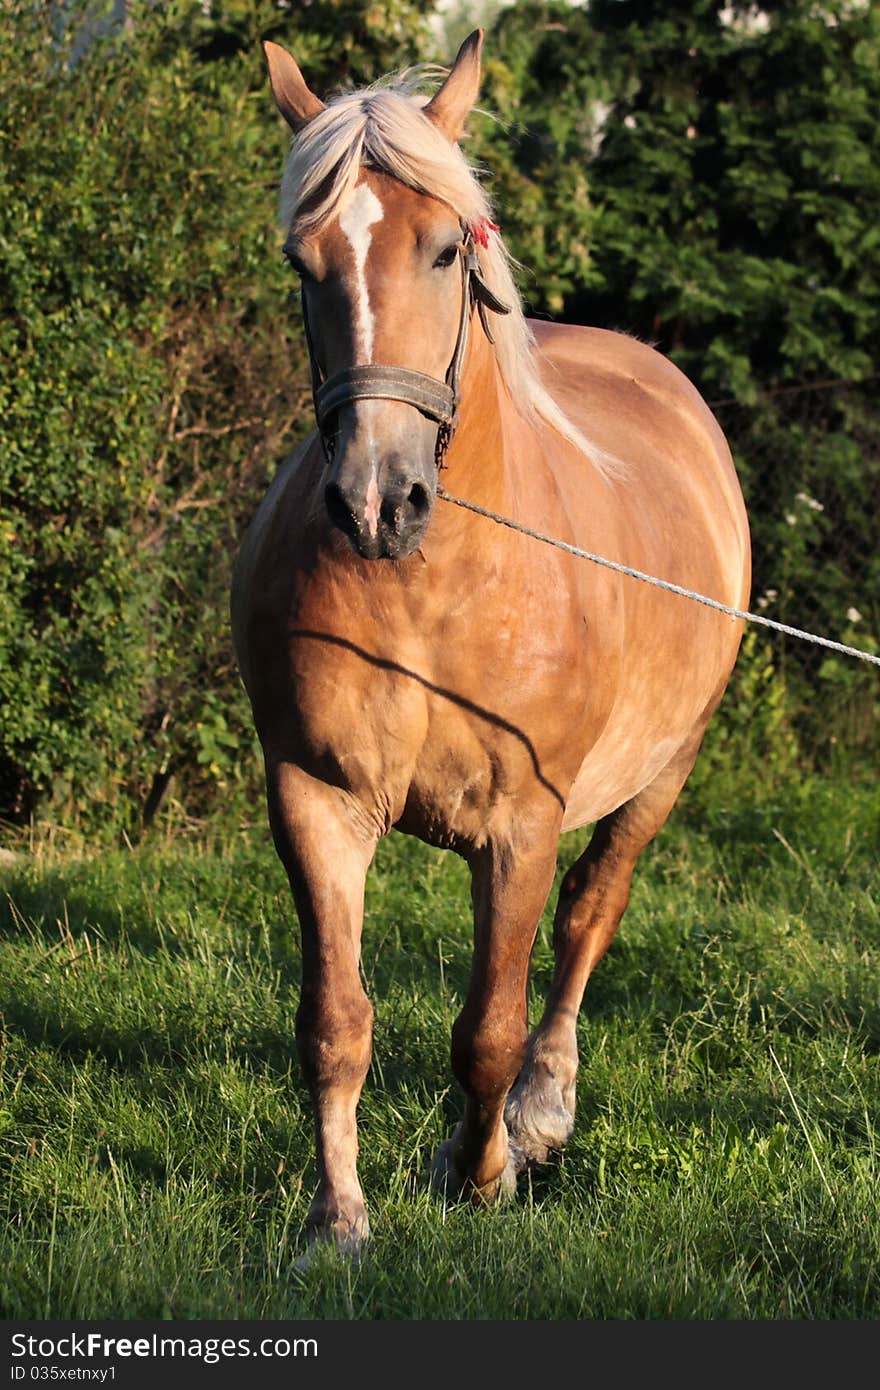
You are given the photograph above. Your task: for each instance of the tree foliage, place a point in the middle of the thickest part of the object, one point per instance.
(151, 374)
(687, 172)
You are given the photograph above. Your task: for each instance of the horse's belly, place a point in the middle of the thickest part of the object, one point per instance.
(667, 690)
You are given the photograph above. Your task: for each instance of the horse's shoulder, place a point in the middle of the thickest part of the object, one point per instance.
(287, 503)
(294, 476)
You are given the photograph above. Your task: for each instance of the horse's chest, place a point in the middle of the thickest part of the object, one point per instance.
(445, 748)
(463, 789)
(445, 714)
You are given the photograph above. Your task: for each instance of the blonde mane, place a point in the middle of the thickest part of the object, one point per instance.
(383, 127)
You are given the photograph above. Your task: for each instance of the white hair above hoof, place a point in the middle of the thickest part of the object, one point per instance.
(538, 1119)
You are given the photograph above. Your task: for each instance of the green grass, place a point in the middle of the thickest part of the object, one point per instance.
(156, 1142)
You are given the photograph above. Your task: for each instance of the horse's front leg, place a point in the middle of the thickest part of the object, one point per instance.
(510, 888)
(326, 850)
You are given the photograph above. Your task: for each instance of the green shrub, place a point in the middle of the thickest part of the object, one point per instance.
(149, 375)
(152, 374)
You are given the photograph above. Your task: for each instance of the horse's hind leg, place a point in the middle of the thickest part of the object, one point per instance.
(540, 1108)
(326, 855)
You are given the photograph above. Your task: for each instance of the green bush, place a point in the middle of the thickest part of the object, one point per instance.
(152, 373)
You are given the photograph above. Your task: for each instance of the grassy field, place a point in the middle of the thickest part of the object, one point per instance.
(156, 1143)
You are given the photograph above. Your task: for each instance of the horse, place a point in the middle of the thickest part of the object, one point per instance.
(412, 665)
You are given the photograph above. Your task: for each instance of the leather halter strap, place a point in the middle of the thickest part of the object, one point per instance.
(435, 399)
(438, 400)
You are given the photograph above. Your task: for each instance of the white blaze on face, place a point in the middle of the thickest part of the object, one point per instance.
(355, 222)
(371, 511)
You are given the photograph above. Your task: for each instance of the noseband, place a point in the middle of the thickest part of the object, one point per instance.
(438, 400)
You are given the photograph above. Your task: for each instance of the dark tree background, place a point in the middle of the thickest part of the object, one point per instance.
(705, 176)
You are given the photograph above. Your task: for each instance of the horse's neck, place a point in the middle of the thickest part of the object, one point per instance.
(478, 457)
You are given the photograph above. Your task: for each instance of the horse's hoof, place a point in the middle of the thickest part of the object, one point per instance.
(538, 1120)
(342, 1239)
(447, 1180)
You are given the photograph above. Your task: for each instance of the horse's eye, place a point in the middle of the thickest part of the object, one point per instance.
(446, 257)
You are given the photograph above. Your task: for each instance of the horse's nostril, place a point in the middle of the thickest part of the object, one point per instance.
(339, 511)
(400, 509)
(419, 499)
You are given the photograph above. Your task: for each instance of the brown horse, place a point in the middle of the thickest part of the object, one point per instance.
(415, 666)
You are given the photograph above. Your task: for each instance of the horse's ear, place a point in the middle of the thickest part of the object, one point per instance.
(450, 106)
(296, 103)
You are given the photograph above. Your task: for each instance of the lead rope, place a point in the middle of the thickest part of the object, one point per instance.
(659, 583)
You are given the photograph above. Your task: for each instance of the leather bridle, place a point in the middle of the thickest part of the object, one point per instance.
(438, 400)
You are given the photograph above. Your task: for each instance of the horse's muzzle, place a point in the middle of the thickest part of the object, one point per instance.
(384, 509)
(383, 521)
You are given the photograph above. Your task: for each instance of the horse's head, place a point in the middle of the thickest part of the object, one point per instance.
(388, 276)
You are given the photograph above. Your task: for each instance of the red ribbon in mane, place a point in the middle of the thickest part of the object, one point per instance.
(481, 228)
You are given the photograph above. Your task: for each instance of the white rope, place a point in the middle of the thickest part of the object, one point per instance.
(661, 583)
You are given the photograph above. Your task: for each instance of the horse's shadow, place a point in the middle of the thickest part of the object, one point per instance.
(57, 914)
